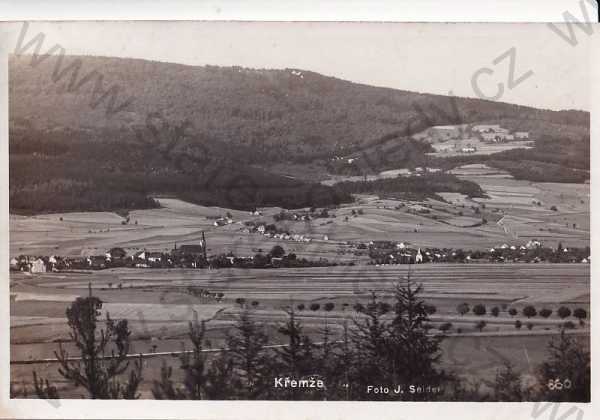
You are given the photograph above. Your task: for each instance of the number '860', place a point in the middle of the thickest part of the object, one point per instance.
(557, 384)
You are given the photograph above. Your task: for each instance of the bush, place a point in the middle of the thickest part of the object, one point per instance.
(529, 311)
(512, 311)
(315, 306)
(255, 303)
(446, 326)
(240, 301)
(529, 326)
(545, 313)
(479, 309)
(301, 307)
(480, 325)
(329, 306)
(495, 311)
(518, 324)
(563, 312)
(580, 314)
(463, 308)
(359, 307)
(569, 325)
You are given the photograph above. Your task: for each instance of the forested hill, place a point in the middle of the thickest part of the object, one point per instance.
(280, 113)
(95, 133)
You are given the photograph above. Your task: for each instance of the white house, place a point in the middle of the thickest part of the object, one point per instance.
(37, 266)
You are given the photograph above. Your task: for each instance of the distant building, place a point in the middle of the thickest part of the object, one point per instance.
(419, 257)
(469, 149)
(14, 263)
(522, 135)
(486, 128)
(37, 266)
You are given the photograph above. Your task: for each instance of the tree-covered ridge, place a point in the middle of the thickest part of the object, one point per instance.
(280, 111)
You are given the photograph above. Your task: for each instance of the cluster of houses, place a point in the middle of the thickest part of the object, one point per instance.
(390, 252)
(182, 256)
(272, 231)
(494, 133)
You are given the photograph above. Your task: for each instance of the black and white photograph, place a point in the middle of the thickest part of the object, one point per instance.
(300, 211)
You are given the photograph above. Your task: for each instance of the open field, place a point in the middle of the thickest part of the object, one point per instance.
(454, 147)
(158, 307)
(455, 224)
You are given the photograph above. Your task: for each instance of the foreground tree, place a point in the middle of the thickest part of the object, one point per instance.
(103, 354)
(507, 386)
(414, 354)
(369, 337)
(565, 375)
(251, 362)
(201, 379)
(296, 360)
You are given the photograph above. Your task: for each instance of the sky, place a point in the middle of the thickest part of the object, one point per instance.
(430, 58)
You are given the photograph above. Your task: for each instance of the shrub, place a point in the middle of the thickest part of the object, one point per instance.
(463, 308)
(255, 303)
(563, 312)
(529, 326)
(479, 309)
(359, 307)
(446, 326)
(301, 307)
(240, 301)
(329, 306)
(529, 311)
(512, 311)
(569, 325)
(480, 325)
(545, 313)
(315, 306)
(580, 314)
(518, 324)
(495, 311)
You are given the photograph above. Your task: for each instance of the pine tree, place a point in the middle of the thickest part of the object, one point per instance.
(201, 379)
(295, 360)
(568, 366)
(370, 338)
(97, 371)
(251, 362)
(507, 385)
(413, 352)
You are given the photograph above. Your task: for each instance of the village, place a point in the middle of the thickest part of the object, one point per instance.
(379, 252)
